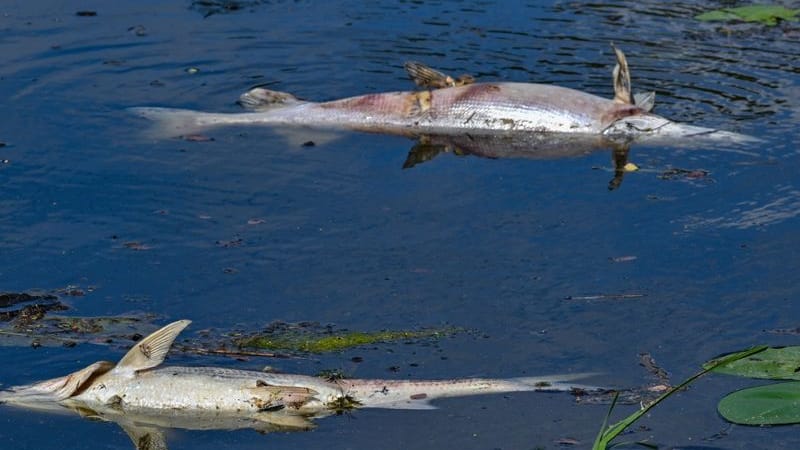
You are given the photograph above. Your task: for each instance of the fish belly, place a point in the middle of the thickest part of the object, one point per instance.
(199, 388)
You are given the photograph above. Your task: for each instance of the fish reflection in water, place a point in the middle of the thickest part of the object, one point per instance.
(521, 146)
(145, 398)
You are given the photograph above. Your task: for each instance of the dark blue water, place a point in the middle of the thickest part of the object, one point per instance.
(340, 233)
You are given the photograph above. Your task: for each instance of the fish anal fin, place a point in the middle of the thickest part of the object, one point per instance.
(151, 351)
(260, 99)
(622, 78)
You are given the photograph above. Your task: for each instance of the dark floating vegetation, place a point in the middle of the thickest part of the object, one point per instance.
(26, 319)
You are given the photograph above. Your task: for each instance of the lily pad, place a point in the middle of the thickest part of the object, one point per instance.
(774, 363)
(773, 404)
(765, 14)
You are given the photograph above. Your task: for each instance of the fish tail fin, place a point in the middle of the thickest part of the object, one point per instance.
(173, 122)
(260, 99)
(622, 78)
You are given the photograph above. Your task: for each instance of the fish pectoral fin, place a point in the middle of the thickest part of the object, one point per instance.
(260, 99)
(151, 351)
(622, 78)
(146, 438)
(269, 397)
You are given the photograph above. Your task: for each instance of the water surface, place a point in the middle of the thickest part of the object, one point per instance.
(247, 229)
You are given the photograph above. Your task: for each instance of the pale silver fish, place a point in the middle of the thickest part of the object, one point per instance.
(143, 397)
(459, 106)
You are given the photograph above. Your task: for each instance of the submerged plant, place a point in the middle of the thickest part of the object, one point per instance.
(309, 340)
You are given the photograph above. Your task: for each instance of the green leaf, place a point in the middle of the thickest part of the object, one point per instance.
(764, 14)
(782, 363)
(773, 404)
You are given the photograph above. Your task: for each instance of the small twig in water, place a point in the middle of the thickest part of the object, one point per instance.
(603, 296)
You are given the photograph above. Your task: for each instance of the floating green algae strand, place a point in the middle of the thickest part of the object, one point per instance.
(311, 343)
(764, 14)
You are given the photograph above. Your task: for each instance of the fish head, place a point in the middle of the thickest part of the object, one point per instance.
(49, 392)
(651, 128)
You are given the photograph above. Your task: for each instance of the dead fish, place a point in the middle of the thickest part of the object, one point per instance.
(143, 396)
(458, 106)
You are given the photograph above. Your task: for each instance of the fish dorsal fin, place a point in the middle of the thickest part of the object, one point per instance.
(150, 351)
(427, 77)
(622, 79)
(260, 99)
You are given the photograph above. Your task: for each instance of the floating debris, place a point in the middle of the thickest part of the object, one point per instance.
(197, 138)
(211, 7)
(620, 259)
(603, 296)
(235, 242)
(26, 320)
(136, 246)
(138, 30)
(646, 360)
(677, 173)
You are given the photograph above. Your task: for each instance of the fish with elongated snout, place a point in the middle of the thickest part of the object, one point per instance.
(448, 106)
(144, 397)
